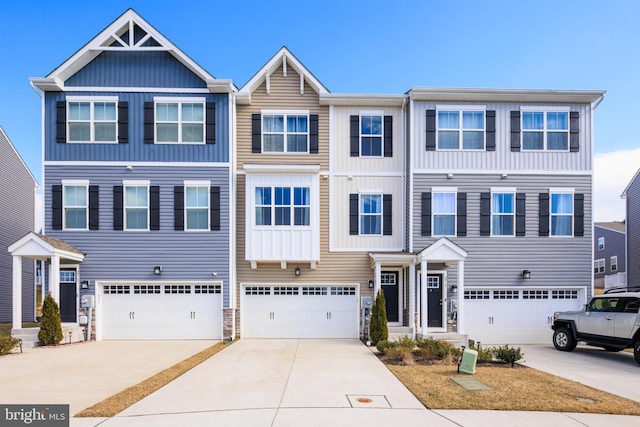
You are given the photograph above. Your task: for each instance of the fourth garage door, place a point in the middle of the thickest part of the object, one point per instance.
(310, 311)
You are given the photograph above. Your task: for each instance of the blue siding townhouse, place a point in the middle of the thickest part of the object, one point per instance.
(137, 186)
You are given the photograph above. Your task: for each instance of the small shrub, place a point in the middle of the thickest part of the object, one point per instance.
(7, 344)
(378, 330)
(406, 342)
(484, 355)
(429, 349)
(51, 327)
(508, 355)
(400, 354)
(384, 345)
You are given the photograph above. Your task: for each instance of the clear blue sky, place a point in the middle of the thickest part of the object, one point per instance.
(368, 46)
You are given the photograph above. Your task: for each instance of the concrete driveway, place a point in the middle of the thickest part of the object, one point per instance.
(615, 373)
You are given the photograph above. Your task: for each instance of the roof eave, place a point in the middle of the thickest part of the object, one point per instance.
(373, 100)
(505, 95)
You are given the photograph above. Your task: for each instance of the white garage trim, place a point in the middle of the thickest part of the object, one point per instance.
(158, 310)
(301, 310)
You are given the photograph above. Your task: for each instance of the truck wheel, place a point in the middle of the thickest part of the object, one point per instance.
(563, 340)
(636, 351)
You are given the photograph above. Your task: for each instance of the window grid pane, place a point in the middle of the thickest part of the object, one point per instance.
(197, 207)
(371, 214)
(180, 122)
(561, 214)
(502, 214)
(276, 129)
(136, 205)
(545, 130)
(444, 213)
(92, 121)
(75, 206)
(371, 136)
(461, 130)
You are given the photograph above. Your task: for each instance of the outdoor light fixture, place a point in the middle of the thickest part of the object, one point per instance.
(157, 270)
(84, 284)
(297, 271)
(370, 283)
(526, 274)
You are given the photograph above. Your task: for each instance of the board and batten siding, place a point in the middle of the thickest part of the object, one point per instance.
(17, 218)
(502, 159)
(135, 150)
(131, 255)
(496, 261)
(633, 233)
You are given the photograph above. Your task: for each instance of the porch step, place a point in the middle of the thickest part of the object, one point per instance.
(454, 338)
(29, 336)
(396, 332)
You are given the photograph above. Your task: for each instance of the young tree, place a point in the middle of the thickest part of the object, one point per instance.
(51, 326)
(378, 330)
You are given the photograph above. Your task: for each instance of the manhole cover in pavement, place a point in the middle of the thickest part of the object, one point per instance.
(368, 401)
(471, 384)
(363, 400)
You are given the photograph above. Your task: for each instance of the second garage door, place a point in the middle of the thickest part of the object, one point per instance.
(310, 311)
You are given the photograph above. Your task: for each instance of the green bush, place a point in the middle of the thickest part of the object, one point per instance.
(406, 342)
(430, 348)
(508, 355)
(51, 327)
(484, 355)
(378, 330)
(384, 345)
(7, 344)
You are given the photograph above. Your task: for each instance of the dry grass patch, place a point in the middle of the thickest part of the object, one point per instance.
(513, 389)
(121, 401)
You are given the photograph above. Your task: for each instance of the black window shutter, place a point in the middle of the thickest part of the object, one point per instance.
(431, 130)
(543, 209)
(149, 131)
(574, 131)
(256, 133)
(578, 215)
(353, 214)
(118, 211)
(154, 211)
(94, 203)
(425, 213)
(355, 135)
(214, 193)
(462, 214)
(123, 122)
(387, 217)
(61, 122)
(178, 207)
(521, 206)
(485, 214)
(515, 131)
(491, 130)
(388, 136)
(313, 134)
(211, 123)
(56, 207)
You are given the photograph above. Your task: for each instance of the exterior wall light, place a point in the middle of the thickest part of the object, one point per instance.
(157, 270)
(370, 284)
(297, 271)
(526, 274)
(84, 284)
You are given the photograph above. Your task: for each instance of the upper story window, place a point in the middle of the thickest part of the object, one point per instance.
(285, 133)
(371, 136)
(600, 243)
(283, 206)
(371, 214)
(180, 121)
(75, 201)
(460, 129)
(502, 214)
(561, 213)
(92, 119)
(614, 263)
(443, 212)
(136, 206)
(598, 266)
(196, 205)
(545, 130)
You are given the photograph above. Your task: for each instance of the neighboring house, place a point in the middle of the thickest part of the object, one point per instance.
(609, 248)
(137, 180)
(632, 196)
(17, 218)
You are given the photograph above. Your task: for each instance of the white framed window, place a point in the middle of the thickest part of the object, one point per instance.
(598, 266)
(614, 263)
(370, 209)
(461, 128)
(600, 243)
(67, 276)
(92, 119)
(371, 132)
(283, 206)
(285, 132)
(180, 120)
(75, 205)
(443, 212)
(561, 212)
(545, 129)
(196, 205)
(136, 205)
(503, 212)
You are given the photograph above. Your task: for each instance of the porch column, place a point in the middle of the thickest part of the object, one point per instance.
(412, 299)
(376, 286)
(423, 295)
(54, 278)
(460, 297)
(17, 292)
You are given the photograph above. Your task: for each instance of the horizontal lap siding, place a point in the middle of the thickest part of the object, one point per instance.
(131, 255)
(499, 261)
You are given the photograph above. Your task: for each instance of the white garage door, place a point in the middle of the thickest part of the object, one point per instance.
(168, 311)
(315, 311)
(516, 316)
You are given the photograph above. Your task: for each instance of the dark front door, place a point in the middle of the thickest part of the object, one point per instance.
(434, 298)
(389, 281)
(68, 296)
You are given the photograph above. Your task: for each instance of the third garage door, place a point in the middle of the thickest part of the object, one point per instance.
(310, 311)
